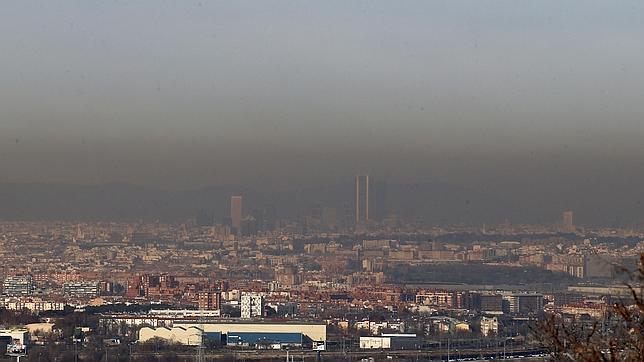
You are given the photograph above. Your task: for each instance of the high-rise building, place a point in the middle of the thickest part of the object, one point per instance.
(236, 213)
(486, 302)
(525, 303)
(209, 300)
(252, 305)
(361, 206)
(18, 285)
(568, 225)
(81, 289)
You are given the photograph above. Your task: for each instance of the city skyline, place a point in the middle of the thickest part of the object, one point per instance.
(509, 110)
(430, 203)
(418, 180)
(421, 92)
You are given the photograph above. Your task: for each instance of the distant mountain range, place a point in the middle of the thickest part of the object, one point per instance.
(434, 203)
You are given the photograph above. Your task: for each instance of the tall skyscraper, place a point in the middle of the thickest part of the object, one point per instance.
(362, 199)
(568, 225)
(236, 213)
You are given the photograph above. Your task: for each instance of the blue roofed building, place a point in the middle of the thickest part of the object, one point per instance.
(312, 331)
(212, 338)
(266, 340)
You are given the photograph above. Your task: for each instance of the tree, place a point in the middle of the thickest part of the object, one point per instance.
(618, 337)
(17, 317)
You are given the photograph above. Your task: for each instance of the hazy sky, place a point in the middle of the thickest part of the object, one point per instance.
(190, 93)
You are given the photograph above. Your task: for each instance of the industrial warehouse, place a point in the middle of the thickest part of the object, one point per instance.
(241, 334)
(390, 341)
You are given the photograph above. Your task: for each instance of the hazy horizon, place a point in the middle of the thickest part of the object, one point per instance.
(539, 103)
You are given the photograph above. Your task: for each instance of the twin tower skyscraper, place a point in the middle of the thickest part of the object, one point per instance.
(370, 201)
(362, 203)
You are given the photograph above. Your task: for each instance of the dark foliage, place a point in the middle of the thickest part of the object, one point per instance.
(618, 337)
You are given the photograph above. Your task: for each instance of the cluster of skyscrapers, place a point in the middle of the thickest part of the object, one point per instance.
(362, 205)
(370, 202)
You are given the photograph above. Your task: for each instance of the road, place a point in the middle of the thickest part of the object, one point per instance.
(400, 355)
